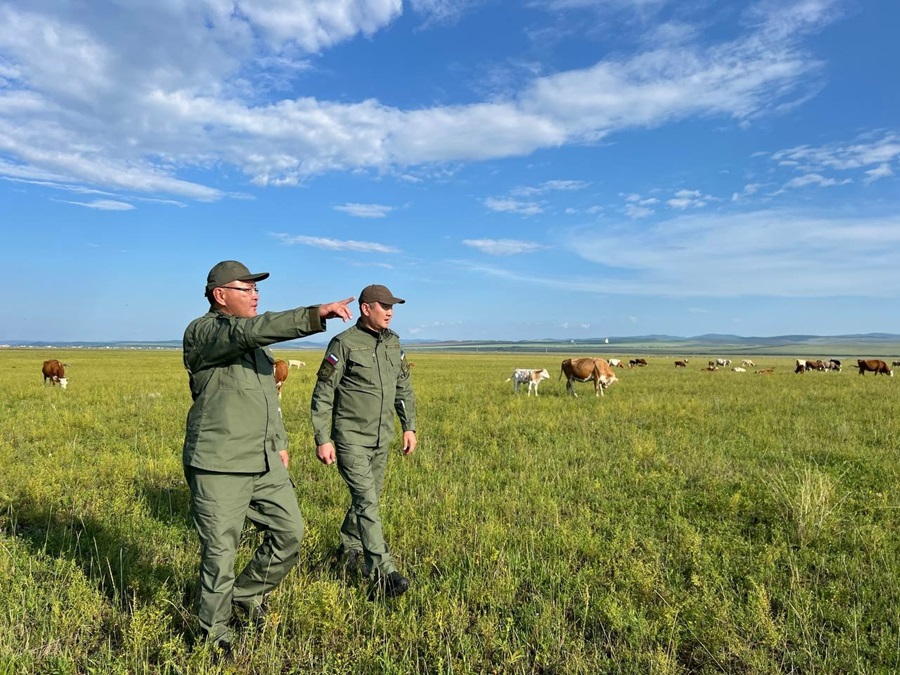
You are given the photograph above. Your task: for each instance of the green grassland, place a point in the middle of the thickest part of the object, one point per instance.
(686, 522)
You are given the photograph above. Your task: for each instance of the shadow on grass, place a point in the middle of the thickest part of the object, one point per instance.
(118, 559)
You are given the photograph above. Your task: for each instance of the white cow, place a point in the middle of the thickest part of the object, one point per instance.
(723, 362)
(615, 363)
(293, 363)
(747, 363)
(738, 369)
(532, 377)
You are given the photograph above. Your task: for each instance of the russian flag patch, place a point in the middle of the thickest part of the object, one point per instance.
(332, 359)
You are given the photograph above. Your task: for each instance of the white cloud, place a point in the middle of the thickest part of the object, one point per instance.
(335, 244)
(513, 206)
(633, 211)
(881, 171)
(814, 179)
(365, 210)
(749, 189)
(859, 154)
(550, 186)
(684, 199)
(89, 103)
(772, 253)
(104, 205)
(502, 246)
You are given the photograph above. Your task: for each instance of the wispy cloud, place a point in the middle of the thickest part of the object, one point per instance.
(550, 186)
(774, 253)
(104, 205)
(881, 171)
(70, 102)
(365, 210)
(501, 205)
(503, 246)
(685, 199)
(334, 244)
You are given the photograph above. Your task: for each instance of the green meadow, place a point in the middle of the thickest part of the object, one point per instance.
(686, 522)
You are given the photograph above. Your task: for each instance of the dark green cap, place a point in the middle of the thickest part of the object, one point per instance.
(379, 293)
(225, 272)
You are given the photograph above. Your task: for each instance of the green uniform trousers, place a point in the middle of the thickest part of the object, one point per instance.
(219, 504)
(363, 470)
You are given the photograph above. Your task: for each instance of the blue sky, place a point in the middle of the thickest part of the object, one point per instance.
(515, 170)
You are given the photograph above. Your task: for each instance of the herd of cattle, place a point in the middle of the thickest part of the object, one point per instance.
(599, 371)
(586, 369)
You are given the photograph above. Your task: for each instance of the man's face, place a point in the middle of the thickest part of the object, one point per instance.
(377, 316)
(239, 298)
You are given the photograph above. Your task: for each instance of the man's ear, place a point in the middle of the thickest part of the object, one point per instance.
(364, 309)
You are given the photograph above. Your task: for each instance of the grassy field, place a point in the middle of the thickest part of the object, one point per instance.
(687, 522)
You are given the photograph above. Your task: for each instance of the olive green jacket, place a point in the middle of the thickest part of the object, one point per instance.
(363, 379)
(235, 418)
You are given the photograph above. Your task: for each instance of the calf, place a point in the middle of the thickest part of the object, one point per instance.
(738, 369)
(585, 370)
(532, 377)
(281, 374)
(294, 363)
(765, 371)
(54, 371)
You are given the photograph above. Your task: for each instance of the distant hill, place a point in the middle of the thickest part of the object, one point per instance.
(875, 344)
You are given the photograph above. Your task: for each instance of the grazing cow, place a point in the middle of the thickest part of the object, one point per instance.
(532, 377)
(294, 363)
(681, 364)
(616, 363)
(876, 366)
(54, 371)
(801, 366)
(810, 364)
(895, 363)
(833, 364)
(585, 370)
(281, 374)
(738, 369)
(747, 363)
(724, 363)
(637, 362)
(765, 371)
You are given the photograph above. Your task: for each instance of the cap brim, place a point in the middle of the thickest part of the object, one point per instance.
(259, 276)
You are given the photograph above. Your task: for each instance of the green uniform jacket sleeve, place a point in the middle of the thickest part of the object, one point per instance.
(405, 401)
(213, 342)
(322, 405)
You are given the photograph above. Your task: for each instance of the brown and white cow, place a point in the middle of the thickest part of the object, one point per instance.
(587, 369)
(616, 363)
(681, 364)
(876, 366)
(54, 371)
(281, 374)
(531, 377)
(747, 363)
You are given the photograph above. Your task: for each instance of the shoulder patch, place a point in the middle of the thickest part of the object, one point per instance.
(326, 370)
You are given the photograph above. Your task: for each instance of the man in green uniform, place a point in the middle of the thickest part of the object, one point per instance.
(363, 380)
(235, 447)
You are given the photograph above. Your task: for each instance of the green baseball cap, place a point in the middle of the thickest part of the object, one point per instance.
(379, 293)
(225, 272)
